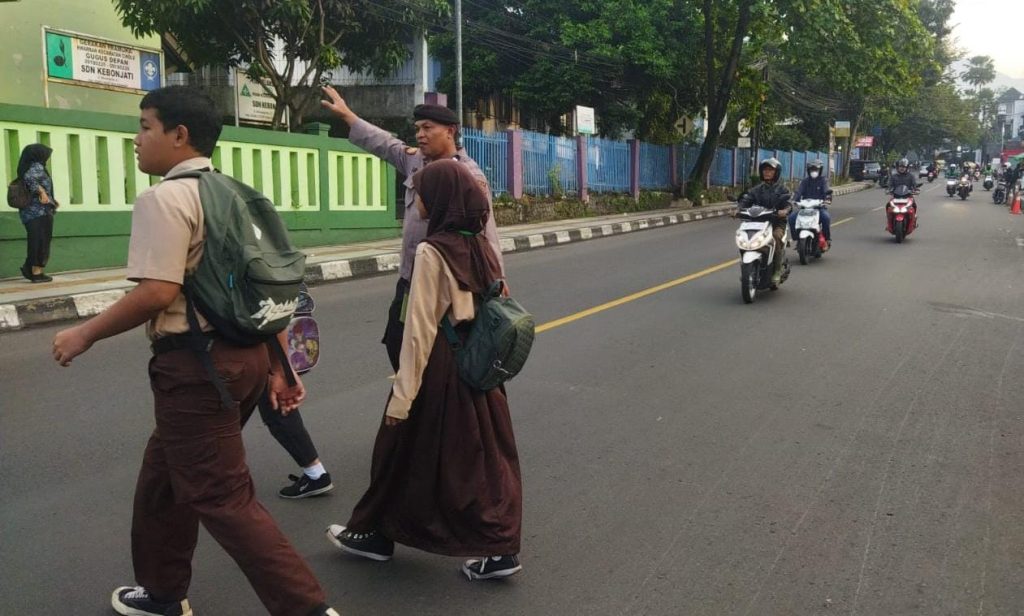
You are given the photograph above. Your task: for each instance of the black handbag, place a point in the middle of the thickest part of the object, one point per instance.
(18, 195)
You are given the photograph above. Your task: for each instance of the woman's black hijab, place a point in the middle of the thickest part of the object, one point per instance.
(35, 153)
(457, 210)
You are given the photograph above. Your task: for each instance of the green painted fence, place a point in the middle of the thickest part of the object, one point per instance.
(327, 190)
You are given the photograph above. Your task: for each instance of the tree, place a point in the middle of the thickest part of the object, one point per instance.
(315, 36)
(731, 20)
(626, 59)
(980, 71)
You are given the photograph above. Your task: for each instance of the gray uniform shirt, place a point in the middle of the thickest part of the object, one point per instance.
(408, 161)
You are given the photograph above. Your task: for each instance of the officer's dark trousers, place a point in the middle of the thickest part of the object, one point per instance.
(396, 327)
(194, 471)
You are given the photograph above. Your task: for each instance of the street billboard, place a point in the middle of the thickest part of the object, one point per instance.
(254, 103)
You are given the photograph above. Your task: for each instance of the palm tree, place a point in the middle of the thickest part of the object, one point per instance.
(980, 70)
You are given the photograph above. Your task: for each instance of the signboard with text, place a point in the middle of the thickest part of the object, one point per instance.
(255, 104)
(97, 63)
(585, 124)
(842, 128)
(864, 142)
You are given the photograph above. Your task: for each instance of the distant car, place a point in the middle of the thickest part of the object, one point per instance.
(865, 170)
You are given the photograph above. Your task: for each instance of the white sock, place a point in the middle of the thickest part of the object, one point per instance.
(315, 472)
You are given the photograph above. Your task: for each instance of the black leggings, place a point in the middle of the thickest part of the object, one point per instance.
(289, 431)
(40, 233)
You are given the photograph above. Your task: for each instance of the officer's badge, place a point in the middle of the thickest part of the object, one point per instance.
(410, 151)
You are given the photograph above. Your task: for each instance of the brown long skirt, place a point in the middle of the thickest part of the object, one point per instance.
(447, 479)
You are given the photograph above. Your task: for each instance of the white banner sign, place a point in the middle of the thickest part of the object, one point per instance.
(585, 120)
(743, 143)
(99, 63)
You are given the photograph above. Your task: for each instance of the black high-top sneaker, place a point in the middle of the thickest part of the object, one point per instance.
(135, 601)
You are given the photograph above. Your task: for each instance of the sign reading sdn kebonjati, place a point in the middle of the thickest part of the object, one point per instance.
(98, 63)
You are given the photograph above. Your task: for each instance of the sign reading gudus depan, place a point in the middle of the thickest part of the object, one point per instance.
(98, 63)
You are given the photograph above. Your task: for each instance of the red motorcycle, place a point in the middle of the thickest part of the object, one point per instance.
(901, 213)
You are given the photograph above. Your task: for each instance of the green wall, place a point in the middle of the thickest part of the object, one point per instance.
(327, 190)
(21, 52)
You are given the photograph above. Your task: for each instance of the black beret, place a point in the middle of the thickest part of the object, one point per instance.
(437, 113)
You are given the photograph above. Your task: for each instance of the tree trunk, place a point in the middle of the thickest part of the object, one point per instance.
(718, 103)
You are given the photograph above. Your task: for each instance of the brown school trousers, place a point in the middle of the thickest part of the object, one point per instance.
(194, 471)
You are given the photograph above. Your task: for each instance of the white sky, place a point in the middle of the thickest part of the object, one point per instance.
(992, 28)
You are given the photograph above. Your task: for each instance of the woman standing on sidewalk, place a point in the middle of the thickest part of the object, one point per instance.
(445, 473)
(38, 216)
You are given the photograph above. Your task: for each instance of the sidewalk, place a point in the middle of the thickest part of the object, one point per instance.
(78, 295)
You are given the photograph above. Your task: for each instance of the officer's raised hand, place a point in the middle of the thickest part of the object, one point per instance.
(337, 105)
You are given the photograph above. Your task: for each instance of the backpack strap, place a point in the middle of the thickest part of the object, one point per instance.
(275, 347)
(194, 173)
(449, 333)
(201, 345)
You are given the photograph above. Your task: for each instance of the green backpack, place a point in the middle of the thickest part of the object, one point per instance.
(499, 341)
(247, 281)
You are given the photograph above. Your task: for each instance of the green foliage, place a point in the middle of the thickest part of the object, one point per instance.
(317, 36)
(980, 70)
(631, 61)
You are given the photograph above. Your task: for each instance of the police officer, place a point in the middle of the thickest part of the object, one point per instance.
(437, 135)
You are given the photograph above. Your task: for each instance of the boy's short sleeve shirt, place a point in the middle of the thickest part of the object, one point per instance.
(167, 241)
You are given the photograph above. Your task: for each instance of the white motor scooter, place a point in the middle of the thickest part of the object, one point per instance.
(810, 241)
(757, 251)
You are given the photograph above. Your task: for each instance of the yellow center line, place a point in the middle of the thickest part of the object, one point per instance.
(646, 292)
(635, 296)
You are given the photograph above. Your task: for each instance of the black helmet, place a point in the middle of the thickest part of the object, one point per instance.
(903, 163)
(815, 165)
(770, 162)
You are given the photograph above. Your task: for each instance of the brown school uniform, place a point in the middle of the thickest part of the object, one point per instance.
(446, 480)
(194, 469)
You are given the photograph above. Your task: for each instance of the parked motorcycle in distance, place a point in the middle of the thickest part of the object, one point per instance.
(964, 188)
(810, 241)
(757, 251)
(901, 213)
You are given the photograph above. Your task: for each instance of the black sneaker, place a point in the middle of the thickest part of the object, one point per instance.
(304, 486)
(324, 610)
(135, 601)
(372, 545)
(41, 278)
(492, 567)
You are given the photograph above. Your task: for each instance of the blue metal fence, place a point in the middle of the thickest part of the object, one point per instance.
(549, 162)
(721, 168)
(490, 151)
(654, 167)
(607, 165)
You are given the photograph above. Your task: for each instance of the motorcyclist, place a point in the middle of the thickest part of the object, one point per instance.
(771, 194)
(814, 186)
(903, 176)
(951, 172)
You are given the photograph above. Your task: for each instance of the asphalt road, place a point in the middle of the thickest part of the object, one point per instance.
(850, 444)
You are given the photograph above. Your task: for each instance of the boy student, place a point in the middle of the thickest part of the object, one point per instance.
(193, 469)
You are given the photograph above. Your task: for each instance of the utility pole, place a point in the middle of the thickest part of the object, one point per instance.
(458, 60)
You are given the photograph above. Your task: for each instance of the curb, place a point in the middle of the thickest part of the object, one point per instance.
(32, 313)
